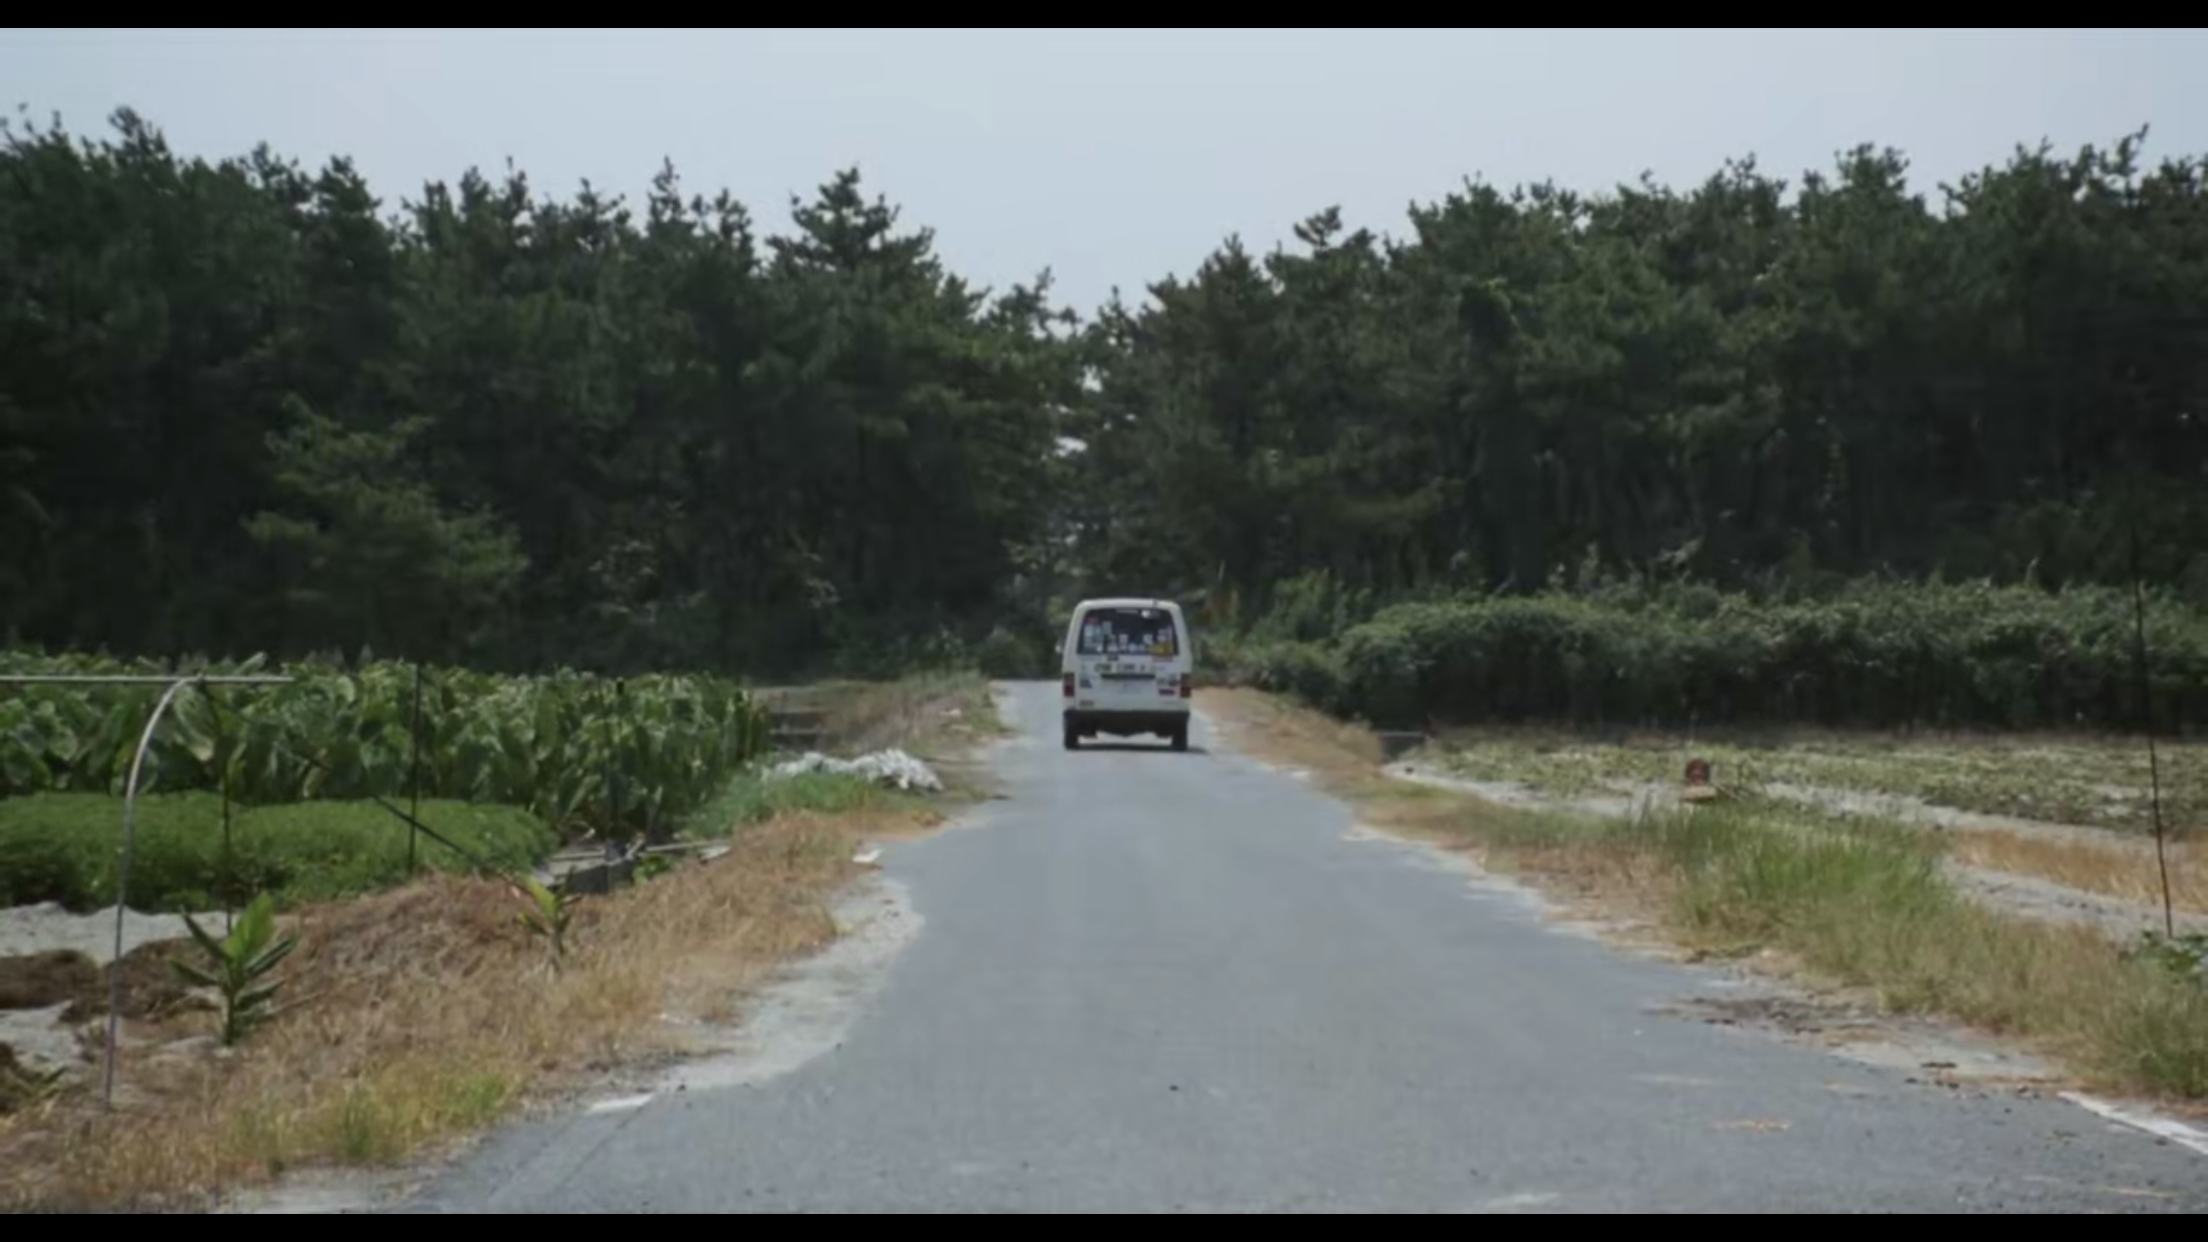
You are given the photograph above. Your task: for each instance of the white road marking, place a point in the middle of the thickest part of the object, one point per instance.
(2176, 1132)
(1520, 1202)
(1672, 1080)
(626, 1103)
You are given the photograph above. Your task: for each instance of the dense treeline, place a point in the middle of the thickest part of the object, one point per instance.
(1734, 384)
(244, 406)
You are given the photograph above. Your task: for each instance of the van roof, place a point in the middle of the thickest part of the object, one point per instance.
(1166, 604)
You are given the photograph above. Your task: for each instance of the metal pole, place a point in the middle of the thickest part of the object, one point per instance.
(122, 888)
(159, 679)
(2146, 726)
(229, 858)
(229, 863)
(616, 762)
(414, 805)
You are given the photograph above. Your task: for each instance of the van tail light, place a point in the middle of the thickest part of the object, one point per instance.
(1065, 684)
(1188, 689)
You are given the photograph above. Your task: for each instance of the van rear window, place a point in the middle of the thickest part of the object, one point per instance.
(1129, 631)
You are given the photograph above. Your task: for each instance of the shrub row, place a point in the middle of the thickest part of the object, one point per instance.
(1962, 655)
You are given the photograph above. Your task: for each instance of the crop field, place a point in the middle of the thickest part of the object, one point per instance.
(506, 768)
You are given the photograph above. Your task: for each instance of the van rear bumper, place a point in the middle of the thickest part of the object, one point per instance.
(1130, 722)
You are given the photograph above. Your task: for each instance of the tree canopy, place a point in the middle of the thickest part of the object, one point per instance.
(249, 406)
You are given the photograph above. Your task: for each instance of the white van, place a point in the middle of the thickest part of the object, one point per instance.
(1126, 671)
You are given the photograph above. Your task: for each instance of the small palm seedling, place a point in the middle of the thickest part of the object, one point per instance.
(549, 914)
(22, 1086)
(239, 967)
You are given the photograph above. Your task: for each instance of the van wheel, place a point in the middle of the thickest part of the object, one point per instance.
(1180, 738)
(1073, 737)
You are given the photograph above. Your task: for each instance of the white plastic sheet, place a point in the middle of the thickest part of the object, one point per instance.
(893, 768)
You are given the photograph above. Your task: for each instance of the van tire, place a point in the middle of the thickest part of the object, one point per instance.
(1073, 737)
(1180, 738)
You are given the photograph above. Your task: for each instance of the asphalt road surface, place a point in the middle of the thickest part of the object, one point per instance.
(1151, 981)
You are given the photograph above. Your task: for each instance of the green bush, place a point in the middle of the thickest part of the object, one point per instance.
(1311, 608)
(67, 847)
(1968, 655)
(1007, 656)
(1312, 672)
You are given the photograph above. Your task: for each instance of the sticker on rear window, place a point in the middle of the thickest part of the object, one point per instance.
(1129, 631)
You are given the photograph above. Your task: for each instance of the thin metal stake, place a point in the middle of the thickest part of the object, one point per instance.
(2146, 725)
(414, 804)
(614, 759)
(229, 858)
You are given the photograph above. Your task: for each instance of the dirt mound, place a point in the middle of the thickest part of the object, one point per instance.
(37, 980)
(444, 927)
(67, 977)
(150, 988)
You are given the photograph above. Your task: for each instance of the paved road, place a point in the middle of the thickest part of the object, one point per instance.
(1160, 982)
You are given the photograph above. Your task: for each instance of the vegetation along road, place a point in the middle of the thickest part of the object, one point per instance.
(1157, 982)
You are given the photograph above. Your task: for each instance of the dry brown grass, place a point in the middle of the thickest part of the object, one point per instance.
(426, 1013)
(2122, 868)
(1276, 730)
(925, 713)
(1346, 760)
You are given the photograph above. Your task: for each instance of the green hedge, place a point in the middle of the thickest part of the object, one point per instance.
(1009, 656)
(1968, 655)
(1311, 671)
(66, 848)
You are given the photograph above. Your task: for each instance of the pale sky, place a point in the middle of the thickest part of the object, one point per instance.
(1116, 156)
